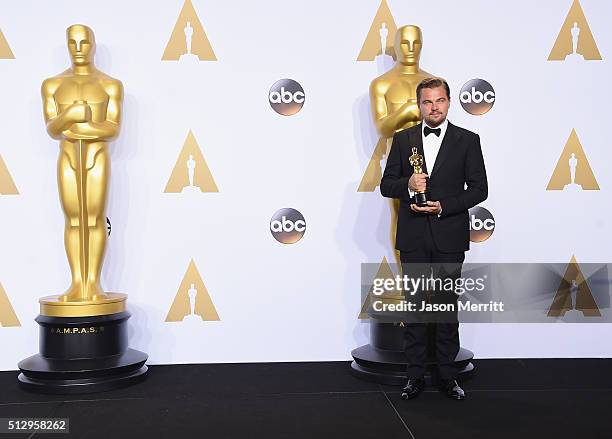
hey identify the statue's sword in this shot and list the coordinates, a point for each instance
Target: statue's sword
(83, 217)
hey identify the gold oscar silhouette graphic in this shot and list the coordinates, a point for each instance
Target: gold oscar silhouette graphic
(7, 313)
(5, 50)
(192, 300)
(575, 41)
(574, 284)
(188, 41)
(377, 41)
(191, 173)
(573, 171)
(384, 272)
(7, 185)
(82, 109)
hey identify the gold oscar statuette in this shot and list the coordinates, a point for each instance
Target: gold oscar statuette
(82, 109)
(416, 160)
(393, 98)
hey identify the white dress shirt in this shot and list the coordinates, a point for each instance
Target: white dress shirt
(431, 144)
(431, 147)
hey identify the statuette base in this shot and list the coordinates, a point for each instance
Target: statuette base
(57, 306)
(421, 199)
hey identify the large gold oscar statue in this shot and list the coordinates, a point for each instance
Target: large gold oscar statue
(83, 332)
(82, 109)
(393, 96)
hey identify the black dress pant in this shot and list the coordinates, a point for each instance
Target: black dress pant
(425, 260)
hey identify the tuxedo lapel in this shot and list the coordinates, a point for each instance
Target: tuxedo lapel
(415, 137)
(450, 138)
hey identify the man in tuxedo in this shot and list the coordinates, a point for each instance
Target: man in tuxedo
(455, 179)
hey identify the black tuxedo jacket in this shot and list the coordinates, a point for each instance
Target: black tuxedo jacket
(459, 163)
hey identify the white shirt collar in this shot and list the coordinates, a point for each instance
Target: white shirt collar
(442, 126)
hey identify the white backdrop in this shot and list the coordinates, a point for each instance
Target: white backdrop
(296, 302)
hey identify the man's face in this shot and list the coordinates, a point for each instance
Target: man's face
(434, 105)
(408, 45)
(80, 45)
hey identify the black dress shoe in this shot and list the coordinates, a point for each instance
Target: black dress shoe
(453, 390)
(413, 387)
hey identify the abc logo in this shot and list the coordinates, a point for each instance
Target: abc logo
(477, 96)
(286, 97)
(287, 226)
(482, 224)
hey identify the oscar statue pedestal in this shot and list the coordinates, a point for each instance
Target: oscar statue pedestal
(82, 355)
(384, 361)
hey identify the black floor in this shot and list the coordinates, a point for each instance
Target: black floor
(505, 399)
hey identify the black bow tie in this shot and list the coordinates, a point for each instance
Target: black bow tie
(428, 131)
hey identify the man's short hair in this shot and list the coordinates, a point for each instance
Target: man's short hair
(432, 83)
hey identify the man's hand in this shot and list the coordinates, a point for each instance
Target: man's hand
(78, 113)
(433, 207)
(418, 182)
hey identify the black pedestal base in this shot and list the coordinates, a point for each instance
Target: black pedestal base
(384, 360)
(420, 199)
(46, 375)
(82, 355)
(389, 367)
